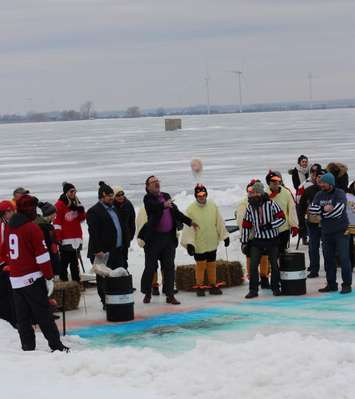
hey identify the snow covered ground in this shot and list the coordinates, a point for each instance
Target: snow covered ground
(271, 348)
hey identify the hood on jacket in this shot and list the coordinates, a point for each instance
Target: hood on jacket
(338, 169)
(18, 220)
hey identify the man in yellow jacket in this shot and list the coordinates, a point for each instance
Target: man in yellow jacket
(283, 197)
(264, 260)
(202, 243)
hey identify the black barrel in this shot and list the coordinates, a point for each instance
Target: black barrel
(293, 273)
(119, 298)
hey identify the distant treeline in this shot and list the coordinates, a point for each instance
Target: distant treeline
(87, 111)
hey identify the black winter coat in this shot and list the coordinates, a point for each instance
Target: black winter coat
(154, 210)
(126, 211)
(305, 201)
(102, 231)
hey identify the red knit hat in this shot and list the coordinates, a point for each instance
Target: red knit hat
(6, 206)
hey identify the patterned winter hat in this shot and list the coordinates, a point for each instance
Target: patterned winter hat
(200, 190)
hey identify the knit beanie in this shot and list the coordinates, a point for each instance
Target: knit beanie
(67, 187)
(6, 206)
(104, 189)
(257, 188)
(117, 190)
(328, 178)
(200, 188)
(27, 205)
(47, 208)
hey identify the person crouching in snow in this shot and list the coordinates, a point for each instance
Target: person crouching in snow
(30, 268)
(264, 261)
(260, 235)
(202, 243)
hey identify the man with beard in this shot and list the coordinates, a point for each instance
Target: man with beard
(260, 235)
(330, 203)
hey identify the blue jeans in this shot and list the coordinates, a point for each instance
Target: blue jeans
(337, 244)
(315, 234)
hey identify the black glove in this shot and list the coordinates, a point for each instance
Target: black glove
(246, 249)
(227, 242)
(190, 250)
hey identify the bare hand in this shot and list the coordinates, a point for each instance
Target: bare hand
(195, 226)
(328, 208)
(168, 204)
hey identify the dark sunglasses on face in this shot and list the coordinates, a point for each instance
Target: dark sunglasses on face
(121, 194)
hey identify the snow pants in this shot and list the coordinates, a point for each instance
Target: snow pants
(32, 306)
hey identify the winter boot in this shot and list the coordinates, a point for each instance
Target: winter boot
(155, 291)
(328, 288)
(200, 291)
(61, 348)
(251, 294)
(172, 300)
(346, 289)
(215, 291)
(147, 298)
(264, 283)
(276, 292)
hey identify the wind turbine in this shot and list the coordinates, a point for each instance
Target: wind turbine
(238, 75)
(207, 83)
(310, 89)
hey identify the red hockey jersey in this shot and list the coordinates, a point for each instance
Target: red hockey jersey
(67, 224)
(26, 251)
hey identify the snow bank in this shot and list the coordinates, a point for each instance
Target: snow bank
(277, 366)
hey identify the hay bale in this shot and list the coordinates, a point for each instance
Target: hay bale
(231, 273)
(71, 297)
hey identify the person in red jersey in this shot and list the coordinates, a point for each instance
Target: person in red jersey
(67, 225)
(30, 267)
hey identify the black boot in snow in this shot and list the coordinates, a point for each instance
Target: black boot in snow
(346, 289)
(264, 283)
(61, 348)
(327, 288)
(200, 291)
(215, 291)
(251, 294)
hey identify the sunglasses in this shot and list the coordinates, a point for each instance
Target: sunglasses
(72, 191)
(121, 194)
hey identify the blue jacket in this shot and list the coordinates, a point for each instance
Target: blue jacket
(336, 220)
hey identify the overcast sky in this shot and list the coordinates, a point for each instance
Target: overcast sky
(56, 54)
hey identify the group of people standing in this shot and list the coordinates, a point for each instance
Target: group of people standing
(36, 247)
(322, 214)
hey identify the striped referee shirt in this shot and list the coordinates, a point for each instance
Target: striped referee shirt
(262, 222)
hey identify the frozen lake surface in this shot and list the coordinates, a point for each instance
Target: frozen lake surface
(234, 148)
(269, 348)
